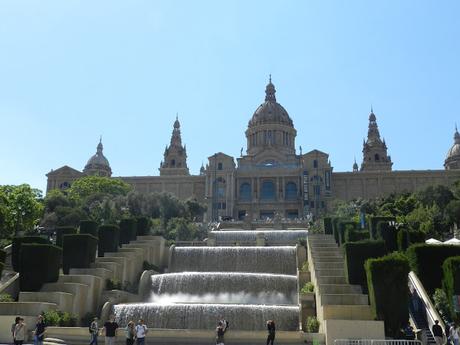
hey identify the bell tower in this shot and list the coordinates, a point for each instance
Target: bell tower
(175, 155)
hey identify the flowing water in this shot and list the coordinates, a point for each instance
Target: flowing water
(245, 285)
(281, 260)
(272, 237)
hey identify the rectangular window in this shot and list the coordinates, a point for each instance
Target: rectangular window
(315, 163)
(312, 204)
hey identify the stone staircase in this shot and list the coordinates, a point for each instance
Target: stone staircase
(342, 308)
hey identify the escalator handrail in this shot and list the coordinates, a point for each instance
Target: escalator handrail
(431, 312)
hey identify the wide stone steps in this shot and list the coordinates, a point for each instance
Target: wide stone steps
(331, 280)
(329, 272)
(344, 299)
(347, 312)
(339, 289)
(335, 265)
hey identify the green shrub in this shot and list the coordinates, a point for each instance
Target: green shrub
(63, 230)
(2, 256)
(79, 251)
(308, 287)
(305, 267)
(343, 226)
(89, 227)
(335, 228)
(356, 254)
(451, 278)
(406, 238)
(312, 325)
(426, 261)
(59, 318)
(108, 239)
(389, 234)
(142, 226)
(127, 230)
(441, 304)
(16, 247)
(388, 291)
(146, 266)
(327, 222)
(375, 220)
(352, 235)
(6, 297)
(2, 267)
(38, 264)
(113, 284)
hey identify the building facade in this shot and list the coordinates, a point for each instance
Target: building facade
(272, 178)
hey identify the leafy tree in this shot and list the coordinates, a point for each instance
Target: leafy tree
(453, 212)
(90, 185)
(195, 210)
(21, 208)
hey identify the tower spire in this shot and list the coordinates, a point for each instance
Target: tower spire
(175, 155)
(270, 91)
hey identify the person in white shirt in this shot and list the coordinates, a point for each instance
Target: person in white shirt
(141, 330)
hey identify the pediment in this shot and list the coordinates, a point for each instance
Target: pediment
(65, 171)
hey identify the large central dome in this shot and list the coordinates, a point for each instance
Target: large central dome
(270, 112)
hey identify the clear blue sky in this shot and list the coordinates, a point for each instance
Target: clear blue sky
(73, 70)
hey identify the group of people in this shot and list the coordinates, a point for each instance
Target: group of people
(223, 325)
(133, 333)
(19, 331)
(452, 334)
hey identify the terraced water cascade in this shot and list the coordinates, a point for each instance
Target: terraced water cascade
(271, 237)
(245, 285)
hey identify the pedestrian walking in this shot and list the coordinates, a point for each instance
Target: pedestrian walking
(437, 333)
(39, 332)
(454, 334)
(271, 332)
(19, 332)
(13, 326)
(141, 330)
(110, 331)
(93, 331)
(220, 332)
(130, 333)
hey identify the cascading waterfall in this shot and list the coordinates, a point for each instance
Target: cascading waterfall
(245, 285)
(281, 260)
(205, 316)
(231, 287)
(272, 237)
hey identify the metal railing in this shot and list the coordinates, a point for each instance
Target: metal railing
(376, 342)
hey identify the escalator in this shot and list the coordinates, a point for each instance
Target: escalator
(421, 310)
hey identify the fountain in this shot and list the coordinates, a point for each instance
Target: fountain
(245, 285)
(281, 260)
(272, 237)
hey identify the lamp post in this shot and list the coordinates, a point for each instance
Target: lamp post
(214, 191)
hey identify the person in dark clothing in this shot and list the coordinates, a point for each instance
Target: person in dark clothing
(271, 332)
(40, 328)
(110, 329)
(437, 333)
(220, 331)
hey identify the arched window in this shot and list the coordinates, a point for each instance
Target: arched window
(173, 163)
(377, 157)
(219, 166)
(291, 191)
(268, 191)
(245, 192)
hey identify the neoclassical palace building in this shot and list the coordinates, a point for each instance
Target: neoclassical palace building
(272, 177)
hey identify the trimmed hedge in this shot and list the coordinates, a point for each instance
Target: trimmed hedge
(142, 226)
(89, 227)
(16, 247)
(389, 234)
(373, 224)
(79, 251)
(388, 290)
(343, 226)
(405, 238)
(426, 261)
(64, 230)
(127, 230)
(327, 222)
(356, 254)
(109, 238)
(451, 279)
(352, 235)
(2, 266)
(2, 256)
(38, 264)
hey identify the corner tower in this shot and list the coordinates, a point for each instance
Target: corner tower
(375, 155)
(175, 155)
(453, 155)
